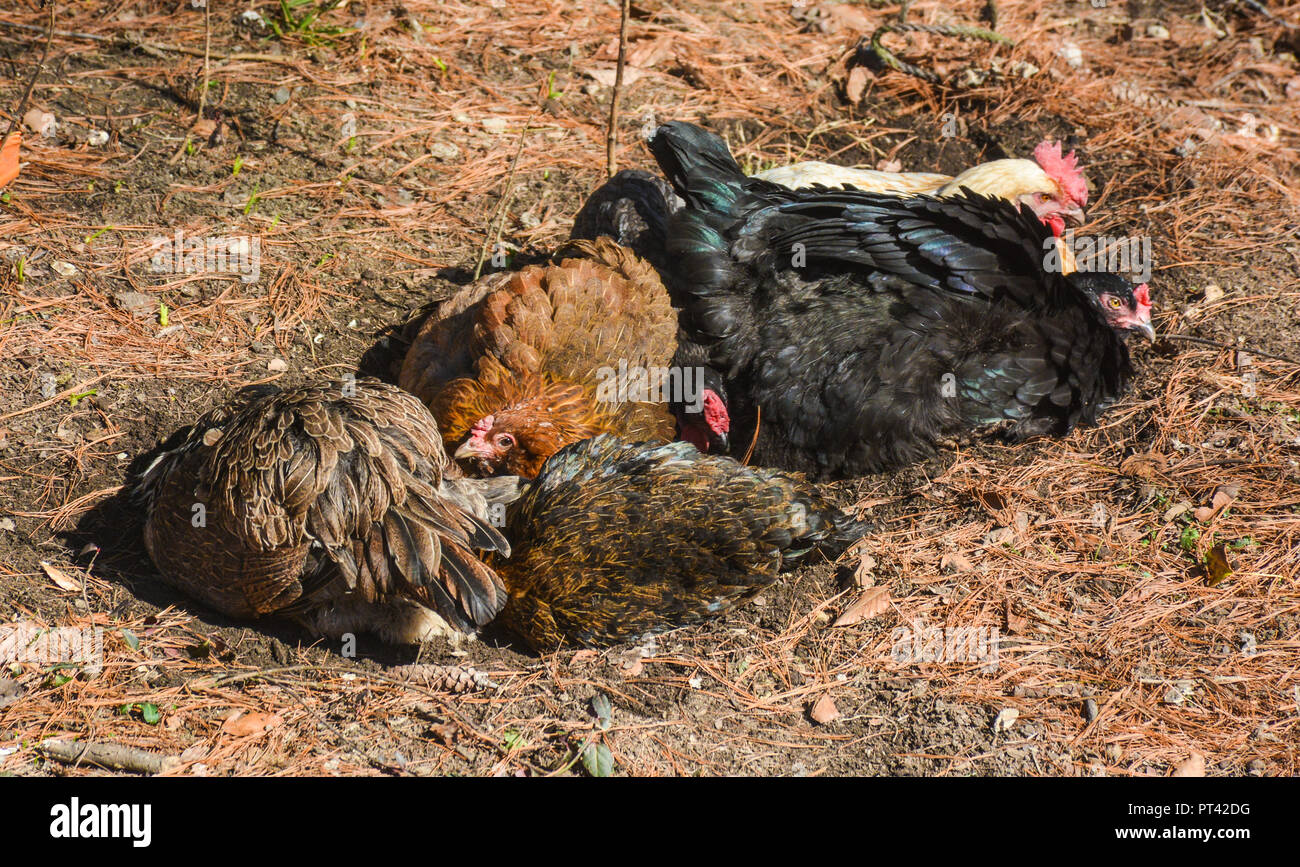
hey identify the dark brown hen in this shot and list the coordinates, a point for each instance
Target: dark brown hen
(615, 540)
(328, 503)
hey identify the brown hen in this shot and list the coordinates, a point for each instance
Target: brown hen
(616, 540)
(332, 504)
(516, 367)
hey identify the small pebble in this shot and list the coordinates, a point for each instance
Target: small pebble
(1005, 719)
(1089, 710)
(1072, 54)
(443, 150)
(281, 95)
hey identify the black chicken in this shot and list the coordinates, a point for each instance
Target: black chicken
(856, 330)
(633, 208)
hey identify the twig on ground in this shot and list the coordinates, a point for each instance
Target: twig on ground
(31, 84)
(203, 91)
(115, 756)
(1228, 346)
(611, 134)
(499, 219)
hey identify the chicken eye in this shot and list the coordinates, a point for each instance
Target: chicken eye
(1116, 303)
(506, 441)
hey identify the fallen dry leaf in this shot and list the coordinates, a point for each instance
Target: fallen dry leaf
(251, 723)
(872, 602)
(584, 657)
(1192, 766)
(9, 159)
(1014, 622)
(824, 710)
(1224, 495)
(993, 501)
(606, 76)
(1146, 465)
(647, 54)
(841, 15)
(1217, 564)
(856, 84)
(862, 573)
(955, 562)
(1005, 719)
(63, 579)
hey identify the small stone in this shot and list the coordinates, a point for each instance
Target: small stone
(41, 122)
(494, 125)
(97, 138)
(1089, 710)
(1005, 719)
(137, 304)
(1158, 31)
(443, 150)
(7, 524)
(824, 711)
(1022, 69)
(999, 536)
(1255, 767)
(1114, 752)
(1072, 54)
(281, 95)
(1213, 292)
(277, 365)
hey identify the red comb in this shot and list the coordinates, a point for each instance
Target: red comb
(715, 413)
(1062, 169)
(481, 427)
(1142, 295)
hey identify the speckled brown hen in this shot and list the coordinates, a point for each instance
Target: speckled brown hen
(616, 540)
(515, 368)
(332, 504)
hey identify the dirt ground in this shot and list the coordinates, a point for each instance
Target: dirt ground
(368, 149)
